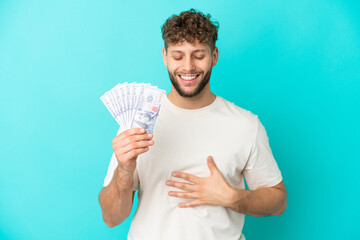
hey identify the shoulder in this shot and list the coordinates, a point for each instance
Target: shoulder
(237, 112)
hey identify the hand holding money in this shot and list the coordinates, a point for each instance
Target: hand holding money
(135, 107)
(128, 145)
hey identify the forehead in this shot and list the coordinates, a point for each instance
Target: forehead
(188, 47)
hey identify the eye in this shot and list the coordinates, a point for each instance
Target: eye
(177, 59)
(199, 57)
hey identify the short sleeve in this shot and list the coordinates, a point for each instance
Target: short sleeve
(261, 169)
(111, 169)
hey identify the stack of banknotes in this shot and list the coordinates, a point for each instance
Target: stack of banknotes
(134, 104)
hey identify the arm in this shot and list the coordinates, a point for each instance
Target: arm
(261, 202)
(215, 190)
(260, 168)
(116, 199)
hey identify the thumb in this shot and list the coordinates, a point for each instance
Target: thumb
(211, 165)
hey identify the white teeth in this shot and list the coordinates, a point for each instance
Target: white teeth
(190, 77)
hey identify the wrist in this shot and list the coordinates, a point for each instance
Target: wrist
(124, 179)
(124, 170)
(234, 198)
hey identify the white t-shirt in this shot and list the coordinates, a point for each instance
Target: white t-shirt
(183, 139)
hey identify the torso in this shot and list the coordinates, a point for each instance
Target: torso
(183, 140)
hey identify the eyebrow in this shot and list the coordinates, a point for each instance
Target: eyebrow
(178, 51)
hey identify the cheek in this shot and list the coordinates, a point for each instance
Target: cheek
(207, 66)
(174, 65)
(172, 68)
(208, 63)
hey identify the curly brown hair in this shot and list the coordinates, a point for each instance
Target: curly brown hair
(189, 26)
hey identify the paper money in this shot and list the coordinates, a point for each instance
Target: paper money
(134, 104)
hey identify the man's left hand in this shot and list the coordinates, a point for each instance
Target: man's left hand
(212, 190)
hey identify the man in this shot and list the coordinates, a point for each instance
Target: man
(190, 172)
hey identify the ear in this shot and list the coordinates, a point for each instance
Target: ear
(164, 56)
(215, 56)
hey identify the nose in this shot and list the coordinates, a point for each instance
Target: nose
(189, 65)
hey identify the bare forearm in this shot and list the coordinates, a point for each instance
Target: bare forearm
(261, 202)
(116, 199)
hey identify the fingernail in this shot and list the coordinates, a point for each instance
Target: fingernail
(149, 135)
(174, 174)
(210, 159)
(151, 142)
(171, 193)
(181, 205)
(142, 130)
(167, 182)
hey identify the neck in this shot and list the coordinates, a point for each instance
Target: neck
(204, 98)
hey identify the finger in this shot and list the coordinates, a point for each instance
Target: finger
(184, 186)
(182, 194)
(135, 152)
(211, 165)
(125, 146)
(134, 138)
(192, 203)
(186, 176)
(129, 132)
(135, 145)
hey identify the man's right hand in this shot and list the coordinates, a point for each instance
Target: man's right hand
(128, 145)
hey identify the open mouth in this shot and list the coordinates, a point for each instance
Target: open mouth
(189, 78)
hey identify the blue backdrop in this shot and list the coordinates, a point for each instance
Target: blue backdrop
(296, 64)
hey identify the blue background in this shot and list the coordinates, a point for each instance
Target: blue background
(296, 64)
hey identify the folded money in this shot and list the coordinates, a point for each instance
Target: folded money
(134, 104)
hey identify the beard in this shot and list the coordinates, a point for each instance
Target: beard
(197, 90)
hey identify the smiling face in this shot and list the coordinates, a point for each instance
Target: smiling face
(189, 66)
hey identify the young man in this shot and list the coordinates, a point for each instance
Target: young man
(190, 172)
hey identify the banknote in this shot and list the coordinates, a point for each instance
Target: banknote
(134, 104)
(148, 106)
(106, 100)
